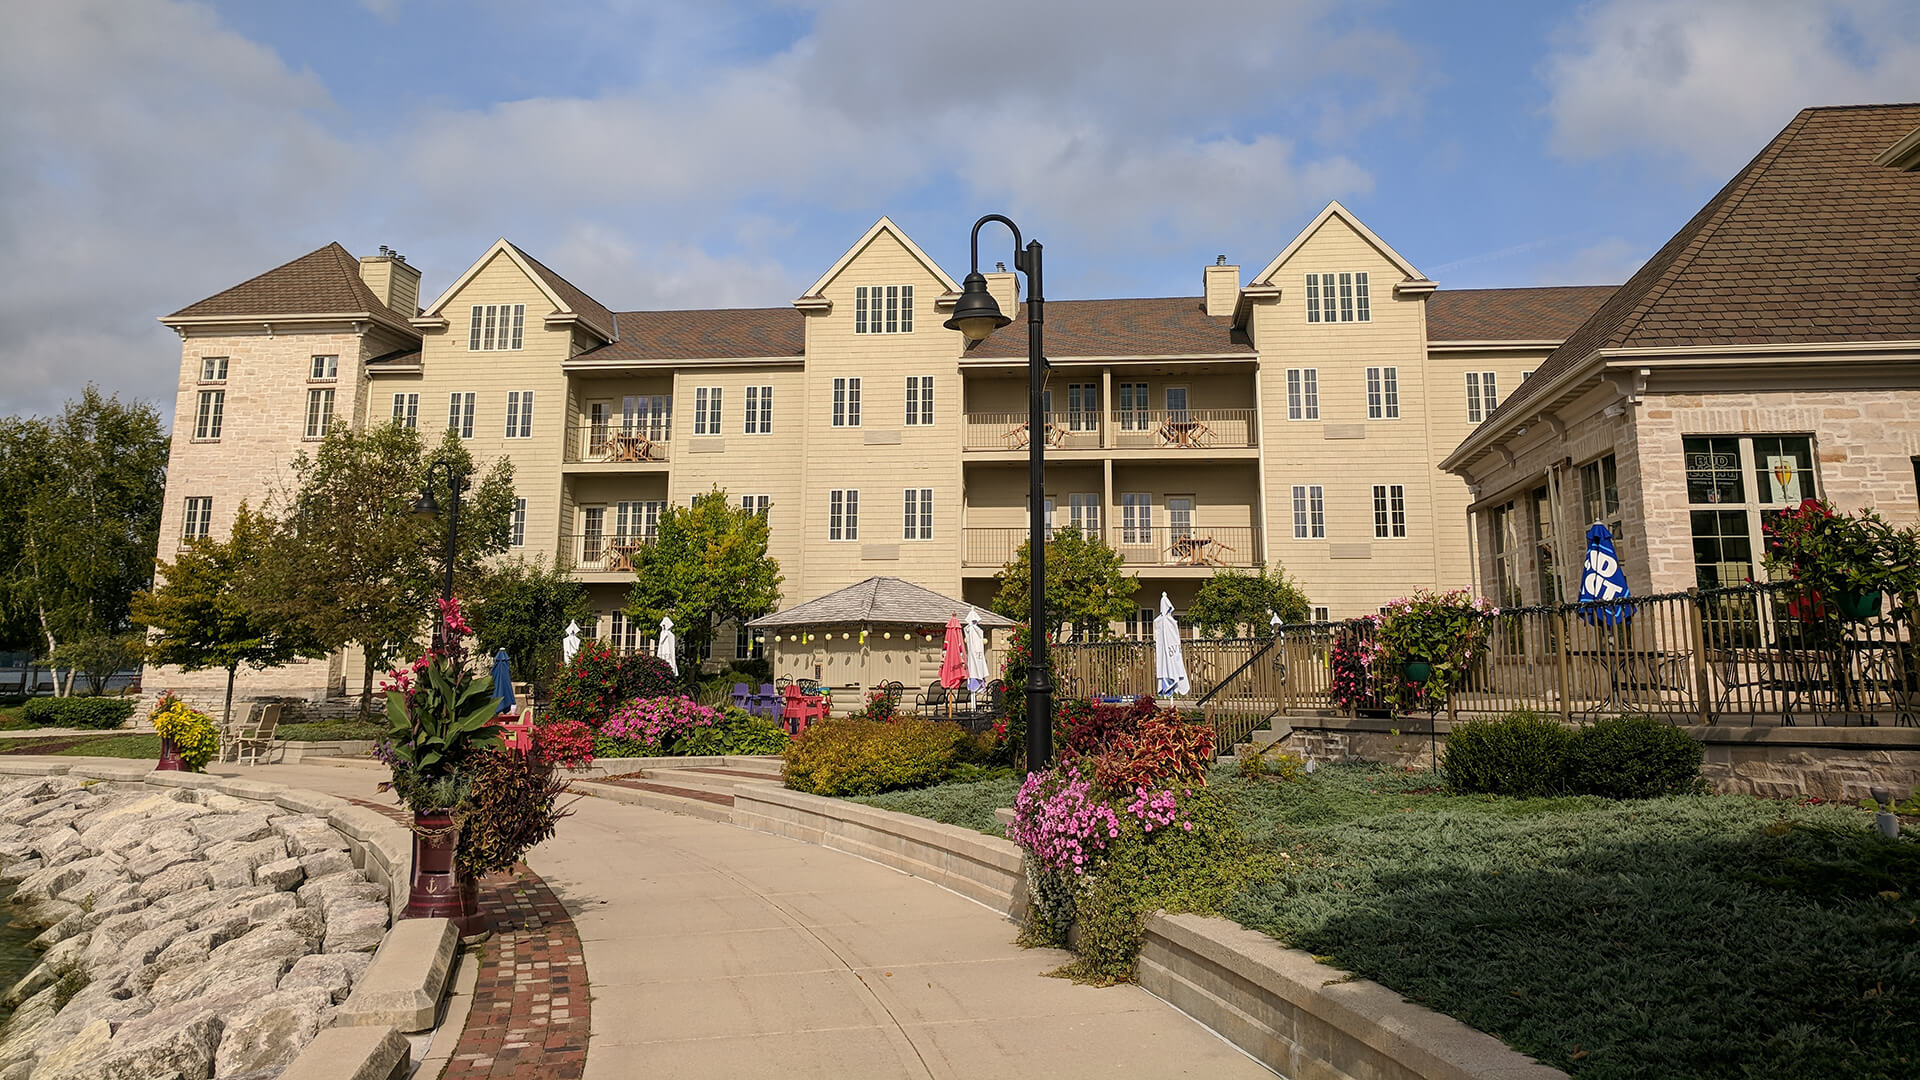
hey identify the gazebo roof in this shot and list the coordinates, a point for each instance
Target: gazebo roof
(879, 600)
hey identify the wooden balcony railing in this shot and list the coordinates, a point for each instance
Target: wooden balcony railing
(1232, 545)
(595, 553)
(1133, 429)
(615, 442)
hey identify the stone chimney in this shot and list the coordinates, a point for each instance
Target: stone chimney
(393, 280)
(1004, 285)
(1221, 287)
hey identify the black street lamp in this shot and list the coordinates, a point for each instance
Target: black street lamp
(427, 508)
(976, 315)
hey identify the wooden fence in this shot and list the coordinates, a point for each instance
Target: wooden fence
(1758, 654)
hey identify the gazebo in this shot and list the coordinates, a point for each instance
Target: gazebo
(880, 630)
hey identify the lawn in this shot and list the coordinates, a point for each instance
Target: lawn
(1709, 936)
(329, 730)
(123, 745)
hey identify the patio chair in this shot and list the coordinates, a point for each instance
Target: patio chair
(230, 732)
(932, 702)
(801, 709)
(766, 703)
(742, 697)
(253, 740)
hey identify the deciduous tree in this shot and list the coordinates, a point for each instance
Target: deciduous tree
(708, 566)
(1233, 602)
(523, 607)
(1086, 585)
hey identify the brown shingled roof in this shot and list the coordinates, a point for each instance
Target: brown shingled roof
(322, 282)
(1811, 242)
(1535, 314)
(1157, 326)
(705, 334)
(591, 311)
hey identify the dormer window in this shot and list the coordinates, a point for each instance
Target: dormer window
(496, 327)
(1338, 297)
(883, 309)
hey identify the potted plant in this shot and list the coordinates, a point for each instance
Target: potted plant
(440, 717)
(1434, 639)
(1353, 658)
(1841, 564)
(188, 737)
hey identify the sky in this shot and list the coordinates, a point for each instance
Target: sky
(725, 153)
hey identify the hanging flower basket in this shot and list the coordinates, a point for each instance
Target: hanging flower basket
(1417, 671)
(1858, 606)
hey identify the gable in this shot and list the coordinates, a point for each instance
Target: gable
(883, 247)
(1335, 233)
(564, 298)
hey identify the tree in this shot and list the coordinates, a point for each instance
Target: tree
(99, 657)
(1086, 586)
(707, 566)
(80, 498)
(352, 564)
(202, 615)
(524, 608)
(1232, 602)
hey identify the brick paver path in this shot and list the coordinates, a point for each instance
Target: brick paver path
(529, 1019)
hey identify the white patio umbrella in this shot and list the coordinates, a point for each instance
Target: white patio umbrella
(571, 643)
(665, 650)
(1169, 666)
(976, 652)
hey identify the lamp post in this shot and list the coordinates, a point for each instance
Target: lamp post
(427, 508)
(976, 315)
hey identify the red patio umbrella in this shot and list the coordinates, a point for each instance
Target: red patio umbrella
(953, 661)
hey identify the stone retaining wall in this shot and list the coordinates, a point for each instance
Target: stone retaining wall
(1841, 763)
(198, 926)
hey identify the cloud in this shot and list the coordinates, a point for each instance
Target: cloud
(1608, 262)
(1710, 81)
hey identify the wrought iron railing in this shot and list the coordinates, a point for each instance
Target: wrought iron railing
(600, 553)
(615, 442)
(1134, 429)
(1197, 545)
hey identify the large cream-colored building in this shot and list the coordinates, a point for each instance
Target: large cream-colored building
(1295, 418)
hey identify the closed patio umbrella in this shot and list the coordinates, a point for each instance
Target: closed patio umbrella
(503, 681)
(571, 643)
(976, 652)
(1602, 581)
(1169, 665)
(665, 650)
(953, 657)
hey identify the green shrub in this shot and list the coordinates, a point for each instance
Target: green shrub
(77, 712)
(738, 732)
(1520, 754)
(1631, 757)
(866, 757)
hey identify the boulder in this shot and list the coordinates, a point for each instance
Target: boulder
(43, 884)
(231, 828)
(143, 1049)
(266, 907)
(73, 1059)
(320, 892)
(42, 976)
(355, 926)
(175, 839)
(253, 853)
(149, 861)
(50, 846)
(306, 922)
(19, 868)
(174, 879)
(228, 874)
(195, 946)
(100, 887)
(333, 972)
(270, 1032)
(321, 864)
(264, 952)
(283, 874)
(309, 835)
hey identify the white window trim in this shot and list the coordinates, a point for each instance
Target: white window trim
(843, 515)
(846, 401)
(325, 367)
(706, 410)
(321, 421)
(883, 309)
(916, 519)
(207, 369)
(496, 327)
(1309, 511)
(1303, 394)
(1389, 511)
(517, 535)
(920, 401)
(198, 521)
(460, 410)
(519, 414)
(758, 411)
(209, 415)
(1383, 393)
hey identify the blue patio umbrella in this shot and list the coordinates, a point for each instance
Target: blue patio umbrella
(1602, 582)
(503, 681)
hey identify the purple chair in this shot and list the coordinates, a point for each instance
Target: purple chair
(742, 699)
(767, 702)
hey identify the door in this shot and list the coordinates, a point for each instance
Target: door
(599, 414)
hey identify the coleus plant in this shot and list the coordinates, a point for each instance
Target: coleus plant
(439, 714)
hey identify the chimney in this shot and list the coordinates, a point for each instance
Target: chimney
(1004, 286)
(393, 280)
(1221, 287)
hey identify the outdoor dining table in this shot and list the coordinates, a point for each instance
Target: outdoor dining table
(1196, 551)
(1017, 436)
(620, 552)
(629, 446)
(1184, 433)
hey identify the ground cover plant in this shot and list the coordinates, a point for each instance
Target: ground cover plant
(121, 746)
(330, 730)
(854, 756)
(969, 804)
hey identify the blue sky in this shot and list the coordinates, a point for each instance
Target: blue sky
(725, 153)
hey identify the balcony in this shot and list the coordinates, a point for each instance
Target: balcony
(637, 445)
(1172, 430)
(1195, 547)
(596, 557)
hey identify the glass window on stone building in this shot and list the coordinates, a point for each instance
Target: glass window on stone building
(1735, 486)
(1543, 539)
(1504, 538)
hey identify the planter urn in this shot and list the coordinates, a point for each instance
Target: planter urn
(1417, 671)
(436, 891)
(169, 757)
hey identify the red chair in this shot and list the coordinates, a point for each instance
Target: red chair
(801, 708)
(516, 730)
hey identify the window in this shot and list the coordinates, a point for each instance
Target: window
(918, 517)
(1389, 511)
(919, 400)
(1338, 298)
(496, 326)
(520, 414)
(1047, 507)
(1735, 486)
(1543, 534)
(1309, 512)
(1321, 614)
(319, 413)
(1303, 393)
(1180, 516)
(846, 402)
(1136, 518)
(706, 410)
(213, 369)
(1133, 406)
(1600, 493)
(325, 369)
(749, 644)
(199, 518)
(1383, 393)
(624, 635)
(1505, 547)
(518, 535)
(648, 416)
(1482, 395)
(206, 422)
(759, 411)
(883, 309)
(843, 514)
(1140, 623)
(756, 504)
(593, 521)
(638, 520)
(406, 410)
(1083, 407)
(460, 414)
(1083, 512)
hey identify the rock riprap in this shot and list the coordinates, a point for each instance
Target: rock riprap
(187, 933)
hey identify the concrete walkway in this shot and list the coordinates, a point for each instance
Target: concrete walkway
(716, 951)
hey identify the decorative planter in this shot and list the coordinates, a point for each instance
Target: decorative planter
(1858, 606)
(169, 757)
(436, 891)
(1417, 671)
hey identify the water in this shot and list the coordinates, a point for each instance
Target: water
(16, 957)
